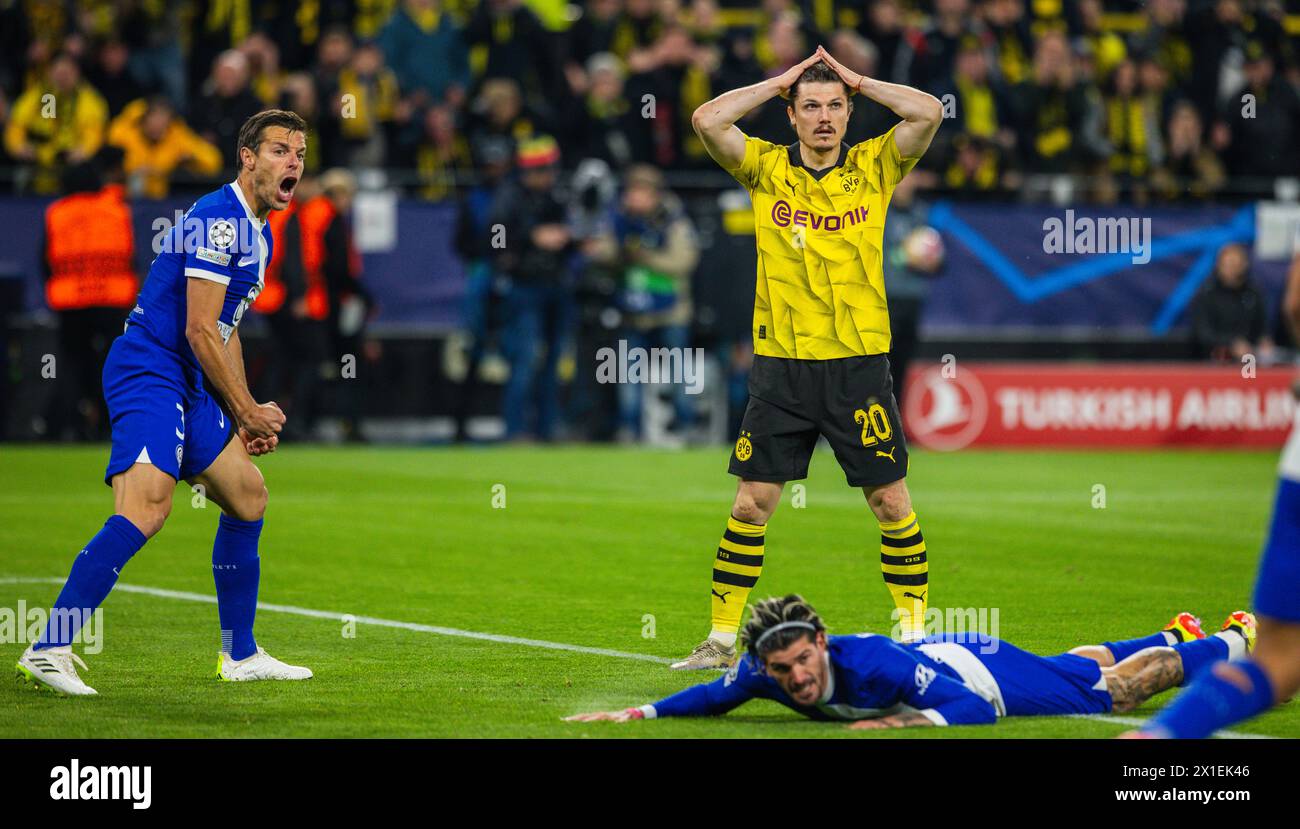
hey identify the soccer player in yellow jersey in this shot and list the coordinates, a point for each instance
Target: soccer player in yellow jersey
(821, 325)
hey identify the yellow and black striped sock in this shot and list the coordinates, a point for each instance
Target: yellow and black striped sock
(906, 571)
(735, 572)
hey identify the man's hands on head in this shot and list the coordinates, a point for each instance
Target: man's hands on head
(789, 77)
(608, 716)
(851, 79)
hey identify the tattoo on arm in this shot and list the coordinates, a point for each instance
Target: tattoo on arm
(1142, 676)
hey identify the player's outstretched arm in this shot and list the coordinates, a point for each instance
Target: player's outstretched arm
(905, 720)
(921, 112)
(715, 121)
(204, 299)
(608, 716)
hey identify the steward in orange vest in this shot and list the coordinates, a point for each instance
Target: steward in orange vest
(89, 263)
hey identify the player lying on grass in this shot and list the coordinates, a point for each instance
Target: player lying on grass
(880, 683)
(184, 330)
(1229, 693)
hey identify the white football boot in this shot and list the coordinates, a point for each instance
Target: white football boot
(53, 669)
(260, 665)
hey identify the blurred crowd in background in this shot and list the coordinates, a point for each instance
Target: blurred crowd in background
(1144, 98)
(570, 125)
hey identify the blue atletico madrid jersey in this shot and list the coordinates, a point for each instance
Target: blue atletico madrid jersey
(218, 239)
(153, 383)
(949, 679)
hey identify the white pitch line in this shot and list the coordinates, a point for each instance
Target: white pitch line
(368, 620)
(489, 637)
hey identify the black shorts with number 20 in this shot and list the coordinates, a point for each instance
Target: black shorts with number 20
(849, 400)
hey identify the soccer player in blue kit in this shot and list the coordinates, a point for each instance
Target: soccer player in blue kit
(876, 682)
(1232, 692)
(166, 428)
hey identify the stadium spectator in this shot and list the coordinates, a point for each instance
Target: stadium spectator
(1013, 43)
(600, 121)
(90, 283)
(369, 107)
(882, 26)
(653, 248)
(592, 33)
(1229, 315)
(111, 76)
(981, 108)
(930, 63)
(55, 123)
(440, 153)
(1057, 107)
(1132, 130)
(298, 94)
(484, 289)
(536, 258)
(1190, 169)
(1259, 124)
(226, 102)
(157, 144)
(516, 45)
(152, 35)
(426, 49)
(264, 73)
(499, 112)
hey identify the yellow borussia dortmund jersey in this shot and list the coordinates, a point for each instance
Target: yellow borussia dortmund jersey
(820, 293)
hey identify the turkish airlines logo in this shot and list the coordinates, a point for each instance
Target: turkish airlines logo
(946, 413)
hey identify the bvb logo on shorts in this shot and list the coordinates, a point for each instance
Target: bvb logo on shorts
(744, 449)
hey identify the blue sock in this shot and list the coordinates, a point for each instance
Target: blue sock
(1213, 703)
(236, 569)
(1199, 655)
(94, 572)
(1126, 648)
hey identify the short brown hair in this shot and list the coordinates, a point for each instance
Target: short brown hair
(768, 614)
(250, 135)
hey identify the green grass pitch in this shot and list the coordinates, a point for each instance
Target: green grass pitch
(592, 542)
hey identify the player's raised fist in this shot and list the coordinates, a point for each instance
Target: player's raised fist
(263, 421)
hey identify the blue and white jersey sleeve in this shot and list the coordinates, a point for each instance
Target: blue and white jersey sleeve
(212, 244)
(895, 671)
(736, 687)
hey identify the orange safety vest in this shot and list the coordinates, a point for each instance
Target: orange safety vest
(89, 246)
(314, 218)
(274, 291)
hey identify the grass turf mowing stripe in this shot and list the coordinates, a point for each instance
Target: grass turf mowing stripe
(489, 637)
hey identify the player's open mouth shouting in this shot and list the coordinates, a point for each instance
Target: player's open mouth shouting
(284, 191)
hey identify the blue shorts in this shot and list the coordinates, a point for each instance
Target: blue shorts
(1277, 588)
(1047, 685)
(159, 415)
